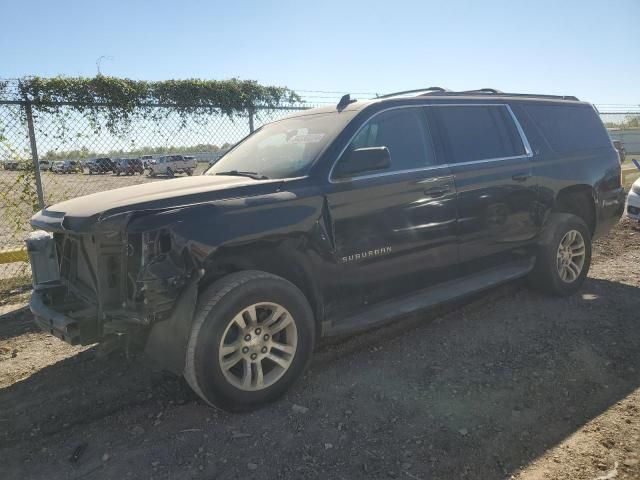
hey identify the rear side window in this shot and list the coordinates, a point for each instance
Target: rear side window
(569, 128)
(478, 132)
(403, 132)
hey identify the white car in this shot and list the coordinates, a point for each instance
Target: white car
(633, 201)
(172, 164)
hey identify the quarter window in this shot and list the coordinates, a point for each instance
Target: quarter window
(478, 132)
(570, 128)
(403, 132)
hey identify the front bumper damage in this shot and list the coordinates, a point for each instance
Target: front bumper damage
(88, 287)
(49, 320)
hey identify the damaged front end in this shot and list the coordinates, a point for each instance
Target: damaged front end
(94, 285)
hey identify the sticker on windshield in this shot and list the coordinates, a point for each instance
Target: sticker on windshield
(306, 138)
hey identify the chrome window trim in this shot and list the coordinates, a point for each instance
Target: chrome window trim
(489, 160)
(523, 137)
(525, 142)
(386, 174)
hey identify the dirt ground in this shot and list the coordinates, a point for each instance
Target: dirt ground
(511, 384)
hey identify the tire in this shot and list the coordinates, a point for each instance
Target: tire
(554, 261)
(170, 173)
(189, 172)
(214, 321)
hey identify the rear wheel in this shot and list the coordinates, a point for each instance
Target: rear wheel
(170, 172)
(252, 337)
(189, 172)
(564, 256)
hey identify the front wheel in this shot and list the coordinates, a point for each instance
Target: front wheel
(252, 337)
(564, 256)
(170, 173)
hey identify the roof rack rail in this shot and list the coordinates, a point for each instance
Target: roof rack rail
(536, 95)
(483, 90)
(480, 91)
(417, 90)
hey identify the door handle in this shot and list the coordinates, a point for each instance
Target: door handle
(438, 191)
(521, 177)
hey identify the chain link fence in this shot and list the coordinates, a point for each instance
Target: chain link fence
(45, 157)
(33, 141)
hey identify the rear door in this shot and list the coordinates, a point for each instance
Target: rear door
(395, 230)
(490, 160)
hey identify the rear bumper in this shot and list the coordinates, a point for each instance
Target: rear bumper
(53, 322)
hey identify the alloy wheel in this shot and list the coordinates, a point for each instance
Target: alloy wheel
(571, 256)
(258, 346)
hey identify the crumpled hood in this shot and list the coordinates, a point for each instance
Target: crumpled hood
(79, 213)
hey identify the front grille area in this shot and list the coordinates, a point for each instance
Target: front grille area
(95, 268)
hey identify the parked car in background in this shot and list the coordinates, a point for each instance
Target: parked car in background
(45, 165)
(100, 165)
(147, 160)
(633, 201)
(15, 165)
(172, 164)
(128, 166)
(331, 221)
(66, 166)
(619, 146)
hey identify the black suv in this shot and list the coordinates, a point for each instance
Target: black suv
(100, 165)
(128, 166)
(333, 220)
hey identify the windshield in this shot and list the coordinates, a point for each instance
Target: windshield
(283, 149)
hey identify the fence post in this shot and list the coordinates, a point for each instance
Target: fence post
(251, 111)
(34, 152)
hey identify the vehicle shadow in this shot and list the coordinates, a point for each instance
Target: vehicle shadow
(16, 323)
(474, 390)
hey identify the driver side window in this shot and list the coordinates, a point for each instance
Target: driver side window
(404, 132)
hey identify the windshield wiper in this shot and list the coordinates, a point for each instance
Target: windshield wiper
(236, 173)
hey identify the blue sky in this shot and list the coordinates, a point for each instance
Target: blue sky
(586, 48)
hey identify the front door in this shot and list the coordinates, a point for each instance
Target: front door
(496, 193)
(395, 230)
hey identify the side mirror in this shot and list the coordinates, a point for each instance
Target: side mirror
(363, 160)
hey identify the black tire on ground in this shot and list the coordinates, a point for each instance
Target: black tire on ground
(545, 275)
(189, 172)
(170, 173)
(216, 308)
